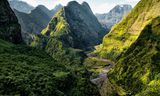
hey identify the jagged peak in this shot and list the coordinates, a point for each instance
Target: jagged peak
(85, 4)
(72, 3)
(42, 7)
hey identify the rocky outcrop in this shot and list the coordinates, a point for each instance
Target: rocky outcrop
(21, 6)
(114, 16)
(10, 30)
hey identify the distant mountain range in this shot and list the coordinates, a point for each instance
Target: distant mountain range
(114, 16)
(21, 6)
(35, 21)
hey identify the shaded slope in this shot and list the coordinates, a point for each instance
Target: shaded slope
(137, 71)
(9, 27)
(34, 22)
(127, 31)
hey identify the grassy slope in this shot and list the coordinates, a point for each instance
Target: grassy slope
(127, 31)
(29, 71)
(137, 71)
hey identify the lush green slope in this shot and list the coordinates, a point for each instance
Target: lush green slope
(29, 71)
(128, 30)
(137, 71)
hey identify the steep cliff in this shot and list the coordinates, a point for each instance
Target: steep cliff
(10, 30)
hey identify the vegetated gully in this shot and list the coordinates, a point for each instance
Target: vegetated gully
(102, 76)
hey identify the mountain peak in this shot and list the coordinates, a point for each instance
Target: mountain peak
(122, 7)
(41, 6)
(114, 15)
(77, 28)
(85, 4)
(73, 3)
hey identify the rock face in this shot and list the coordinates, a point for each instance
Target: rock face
(76, 26)
(10, 30)
(21, 6)
(114, 16)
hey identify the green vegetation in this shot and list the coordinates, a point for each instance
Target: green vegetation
(137, 71)
(95, 65)
(30, 71)
(124, 34)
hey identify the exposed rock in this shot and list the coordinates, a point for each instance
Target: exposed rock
(10, 30)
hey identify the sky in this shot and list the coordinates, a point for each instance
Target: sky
(97, 6)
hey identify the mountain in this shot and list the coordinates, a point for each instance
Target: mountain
(35, 21)
(114, 15)
(133, 44)
(75, 26)
(27, 71)
(21, 6)
(32, 23)
(10, 30)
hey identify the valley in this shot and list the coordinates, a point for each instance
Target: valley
(72, 51)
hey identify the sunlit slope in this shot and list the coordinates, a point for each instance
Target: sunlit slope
(128, 30)
(138, 69)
